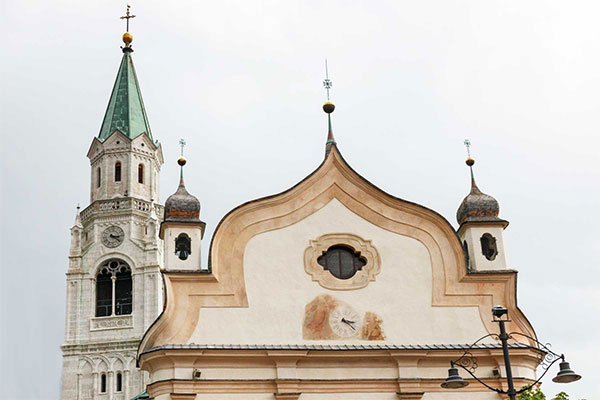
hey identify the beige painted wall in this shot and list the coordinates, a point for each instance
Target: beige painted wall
(279, 288)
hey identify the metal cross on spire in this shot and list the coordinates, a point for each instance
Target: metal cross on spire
(327, 82)
(469, 160)
(127, 16)
(182, 144)
(467, 143)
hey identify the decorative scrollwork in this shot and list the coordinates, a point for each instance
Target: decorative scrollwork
(467, 361)
(549, 357)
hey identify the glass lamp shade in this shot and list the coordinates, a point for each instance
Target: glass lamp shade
(566, 374)
(454, 381)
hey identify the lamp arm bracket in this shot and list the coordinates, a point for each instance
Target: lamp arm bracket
(482, 382)
(539, 379)
(467, 361)
(542, 346)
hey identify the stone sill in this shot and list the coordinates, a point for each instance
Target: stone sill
(111, 322)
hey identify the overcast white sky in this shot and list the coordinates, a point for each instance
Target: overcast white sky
(242, 83)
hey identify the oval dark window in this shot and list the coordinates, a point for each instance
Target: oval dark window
(342, 261)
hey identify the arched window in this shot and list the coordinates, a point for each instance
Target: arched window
(98, 176)
(114, 289)
(118, 171)
(119, 383)
(103, 383)
(488, 246)
(342, 261)
(141, 173)
(183, 246)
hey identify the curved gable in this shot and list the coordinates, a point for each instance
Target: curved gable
(334, 181)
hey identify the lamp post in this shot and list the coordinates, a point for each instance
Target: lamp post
(469, 363)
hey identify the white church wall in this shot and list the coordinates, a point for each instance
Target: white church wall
(279, 289)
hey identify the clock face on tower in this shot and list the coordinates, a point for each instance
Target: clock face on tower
(345, 321)
(113, 236)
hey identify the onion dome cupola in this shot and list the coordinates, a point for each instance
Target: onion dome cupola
(477, 206)
(181, 229)
(181, 206)
(481, 230)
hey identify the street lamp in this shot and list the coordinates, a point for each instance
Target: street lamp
(469, 363)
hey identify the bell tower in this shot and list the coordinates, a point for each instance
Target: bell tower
(114, 288)
(181, 229)
(481, 231)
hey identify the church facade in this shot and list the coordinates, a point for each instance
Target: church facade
(332, 289)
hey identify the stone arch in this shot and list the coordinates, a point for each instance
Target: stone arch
(85, 360)
(130, 362)
(110, 256)
(117, 363)
(102, 364)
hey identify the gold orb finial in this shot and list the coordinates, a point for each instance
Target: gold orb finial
(328, 107)
(469, 161)
(181, 161)
(127, 38)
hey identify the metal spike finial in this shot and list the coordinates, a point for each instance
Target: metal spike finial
(128, 16)
(328, 107)
(469, 161)
(467, 143)
(327, 82)
(181, 161)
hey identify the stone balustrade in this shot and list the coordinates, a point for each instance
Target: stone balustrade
(120, 204)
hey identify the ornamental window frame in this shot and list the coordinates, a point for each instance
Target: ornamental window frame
(112, 268)
(362, 248)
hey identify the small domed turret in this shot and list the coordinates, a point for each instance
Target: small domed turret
(182, 206)
(480, 230)
(181, 229)
(477, 206)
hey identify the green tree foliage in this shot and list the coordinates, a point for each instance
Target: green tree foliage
(537, 394)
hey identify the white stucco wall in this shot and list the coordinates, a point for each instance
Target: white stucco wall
(279, 288)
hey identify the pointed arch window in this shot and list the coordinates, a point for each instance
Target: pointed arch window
(98, 176)
(103, 383)
(141, 173)
(118, 171)
(119, 383)
(114, 289)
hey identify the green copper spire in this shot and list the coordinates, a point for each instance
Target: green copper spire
(125, 111)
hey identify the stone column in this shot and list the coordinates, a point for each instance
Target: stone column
(95, 385)
(114, 280)
(126, 384)
(79, 386)
(110, 385)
